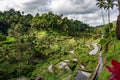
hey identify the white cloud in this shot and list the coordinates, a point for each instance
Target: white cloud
(72, 6)
(85, 10)
(17, 4)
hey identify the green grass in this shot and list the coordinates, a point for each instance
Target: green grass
(57, 47)
(41, 34)
(62, 45)
(8, 40)
(113, 53)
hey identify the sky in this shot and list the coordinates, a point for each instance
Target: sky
(83, 10)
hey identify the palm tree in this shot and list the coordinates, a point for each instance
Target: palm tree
(118, 22)
(108, 5)
(100, 4)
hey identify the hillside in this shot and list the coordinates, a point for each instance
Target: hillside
(110, 49)
(112, 53)
(53, 47)
(31, 45)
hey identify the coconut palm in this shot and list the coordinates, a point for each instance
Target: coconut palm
(100, 4)
(118, 19)
(118, 22)
(107, 6)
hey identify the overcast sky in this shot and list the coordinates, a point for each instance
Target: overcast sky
(83, 10)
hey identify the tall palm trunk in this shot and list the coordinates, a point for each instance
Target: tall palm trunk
(109, 19)
(103, 17)
(119, 6)
(118, 27)
(118, 22)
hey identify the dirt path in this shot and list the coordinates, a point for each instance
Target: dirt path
(95, 50)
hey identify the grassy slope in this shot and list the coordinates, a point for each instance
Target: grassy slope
(77, 44)
(67, 44)
(61, 44)
(113, 53)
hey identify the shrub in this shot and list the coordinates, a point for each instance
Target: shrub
(103, 41)
(2, 38)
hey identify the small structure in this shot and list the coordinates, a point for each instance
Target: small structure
(51, 68)
(82, 66)
(72, 52)
(82, 75)
(64, 64)
(75, 60)
(39, 77)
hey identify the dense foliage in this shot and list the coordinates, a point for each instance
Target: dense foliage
(107, 5)
(27, 41)
(16, 23)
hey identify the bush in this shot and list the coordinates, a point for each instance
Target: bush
(3, 75)
(2, 38)
(103, 41)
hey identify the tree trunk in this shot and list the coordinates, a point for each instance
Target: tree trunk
(118, 22)
(103, 17)
(109, 19)
(119, 6)
(118, 27)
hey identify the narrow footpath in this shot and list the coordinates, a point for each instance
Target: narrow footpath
(82, 75)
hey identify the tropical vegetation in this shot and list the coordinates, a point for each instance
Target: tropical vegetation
(30, 44)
